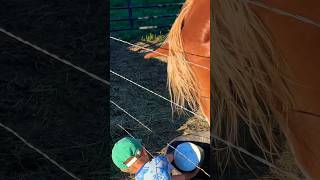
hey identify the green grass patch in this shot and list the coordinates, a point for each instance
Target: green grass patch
(151, 37)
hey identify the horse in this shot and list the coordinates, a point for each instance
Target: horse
(257, 75)
(271, 86)
(187, 52)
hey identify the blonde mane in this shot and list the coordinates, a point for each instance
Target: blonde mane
(182, 83)
(249, 78)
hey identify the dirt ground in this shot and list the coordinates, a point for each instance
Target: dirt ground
(150, 109)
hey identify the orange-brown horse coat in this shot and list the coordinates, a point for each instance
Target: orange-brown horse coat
(300, 45)
(196, 44)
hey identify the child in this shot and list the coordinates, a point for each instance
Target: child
(129, 156)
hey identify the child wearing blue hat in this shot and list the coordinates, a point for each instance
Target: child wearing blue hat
(130, 156)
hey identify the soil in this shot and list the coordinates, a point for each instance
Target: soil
(151, 110)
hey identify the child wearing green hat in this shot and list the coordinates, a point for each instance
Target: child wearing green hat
(130, 156)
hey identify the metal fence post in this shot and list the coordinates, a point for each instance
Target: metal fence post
(130, 14)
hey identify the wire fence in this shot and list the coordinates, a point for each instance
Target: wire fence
(300, 18)
(240, 149)
(108, 83)
(165, 55)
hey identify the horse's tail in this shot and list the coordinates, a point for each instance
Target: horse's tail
(249, 77)
(182, 84)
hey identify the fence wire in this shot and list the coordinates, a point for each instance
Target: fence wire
(39, 151)
(137, 120)
(300, 18)
(108, 83)
(284, 13)
(150, 50)
(54, 56)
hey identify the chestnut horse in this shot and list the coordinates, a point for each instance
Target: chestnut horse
(188, 56)
(265, 73)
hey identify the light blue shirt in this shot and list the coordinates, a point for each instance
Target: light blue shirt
(159, 168)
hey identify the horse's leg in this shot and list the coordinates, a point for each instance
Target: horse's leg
(302, 132)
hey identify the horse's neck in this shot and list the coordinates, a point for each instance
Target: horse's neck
(299, 44)
(306, 8)
(196, 28)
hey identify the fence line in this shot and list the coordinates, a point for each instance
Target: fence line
(106, 82)
(135, 138)
(39, 151)
(156, 94)
(82, 70)
(269, 164)
(54, 56)
(19, 39)
(212, 135)
(150, 50)
(137, 120)
(300, 18)
(284, 13)
(130, 115)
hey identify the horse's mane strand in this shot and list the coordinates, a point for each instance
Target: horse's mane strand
(248, 79)
(183, 86)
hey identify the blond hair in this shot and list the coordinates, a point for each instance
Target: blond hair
(183, 85)
(249, 78)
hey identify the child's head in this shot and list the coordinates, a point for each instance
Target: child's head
(129, 155)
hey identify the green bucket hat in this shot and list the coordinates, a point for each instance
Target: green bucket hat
(124, 149)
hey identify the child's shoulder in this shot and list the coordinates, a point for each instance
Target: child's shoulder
(162, 158)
